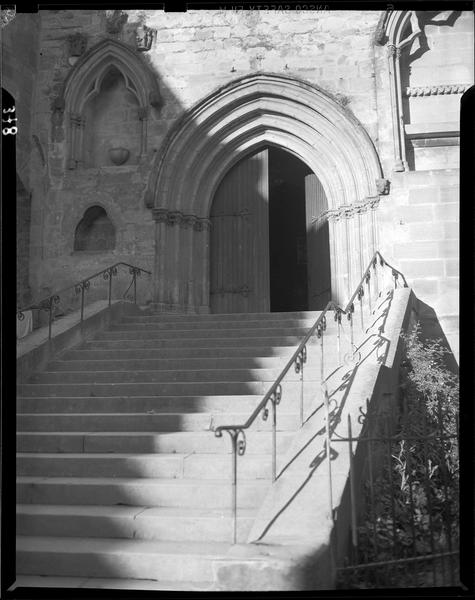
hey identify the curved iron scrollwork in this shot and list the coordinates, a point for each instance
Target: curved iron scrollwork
(362, 415)
(238, 438)
(109, 273)
(367, 277)
(360, 293)
(20, 316)
(338, 312)
(277, 395)
(135, 271)
(82, 285)
(350, 311)
(301, 359)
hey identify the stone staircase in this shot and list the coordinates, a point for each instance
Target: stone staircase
(121, 481)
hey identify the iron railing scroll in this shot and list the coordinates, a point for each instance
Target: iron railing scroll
(375, 271)
(81, 288)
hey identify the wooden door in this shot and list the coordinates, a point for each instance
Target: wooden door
(318, 244)
(239, 243)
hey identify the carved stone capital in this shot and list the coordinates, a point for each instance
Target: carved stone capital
(142, 113)
(144, 37)
(391, 50)
(436, 90)
(347, 211)
(7, 15)
(189, 221)
(382, 186)
(174, 218)
(76, 119)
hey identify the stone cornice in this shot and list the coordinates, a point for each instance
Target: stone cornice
(174, 217)
(347, 211)
(437, 90)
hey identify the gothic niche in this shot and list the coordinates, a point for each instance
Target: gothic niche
(112, 134)
(95, 231)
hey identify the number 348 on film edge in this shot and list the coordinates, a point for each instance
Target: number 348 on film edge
(9, 130)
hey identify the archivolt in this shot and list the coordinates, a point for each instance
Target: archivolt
(259, 110)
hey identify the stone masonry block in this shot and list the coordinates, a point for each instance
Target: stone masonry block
(449, 248)
(426, 231)
(422, 268)
(451, 231)
(447, 212)
(417, 249)
(452, 268)
(412, 214)
(425, 287)
(427, 195)
(449, 194)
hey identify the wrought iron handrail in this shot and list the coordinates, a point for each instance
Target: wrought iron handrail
(81, 286)
(298, 358)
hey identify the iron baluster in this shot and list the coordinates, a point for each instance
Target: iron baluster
(49, 306)
(395, 275)
(368, 283)
(354, 532)
(428, 495)
(376, 277)
(328, 449)
(275, 400)
(107, 275)
(238, 445)
(351, 310)
(360, 298)
(387, 445)
(337, 318)
(299, 363)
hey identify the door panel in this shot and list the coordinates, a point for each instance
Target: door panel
(239, 243)
(318, 245)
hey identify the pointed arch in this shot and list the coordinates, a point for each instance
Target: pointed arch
(84, 82)
(258, 110)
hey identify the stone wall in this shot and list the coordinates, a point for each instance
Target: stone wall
(19, 58)
(191, 56)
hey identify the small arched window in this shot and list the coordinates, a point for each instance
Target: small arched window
(95, 231)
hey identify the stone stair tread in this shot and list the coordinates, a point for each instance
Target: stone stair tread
(167, 512)
(115, 455)
(120, 546)
(133, 481)
(105, 583)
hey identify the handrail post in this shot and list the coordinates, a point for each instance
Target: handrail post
(234, 485)
(110, 286)
(354, 533)
(82, 301)
(135, 286)
(328, 449)
(50, 316)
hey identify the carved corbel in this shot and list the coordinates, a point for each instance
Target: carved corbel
(144, 37)
(382, 186)
(188, 221)
(115, 21)
(160, 215)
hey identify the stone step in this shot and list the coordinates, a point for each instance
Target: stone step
(164, 364)
(108, 557)
(61, 422)
(194, 466)
(156, 324)
(132, 522)
(185, 493)
(217, 317)
(138, 404)
(258, 442)
(198, 342)
(172, 376)
(42, 581)
(205, 334)
(120, 353)
(217, 388)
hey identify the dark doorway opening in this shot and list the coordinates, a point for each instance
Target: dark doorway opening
(287, 232)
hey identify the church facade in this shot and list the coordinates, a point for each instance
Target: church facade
(254, 161)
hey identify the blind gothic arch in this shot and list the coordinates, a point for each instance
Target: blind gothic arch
(84, 83)
(257, 110)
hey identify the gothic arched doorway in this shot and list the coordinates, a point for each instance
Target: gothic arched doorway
(269, 245)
